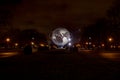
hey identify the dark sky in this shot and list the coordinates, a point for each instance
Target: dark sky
(47, 14)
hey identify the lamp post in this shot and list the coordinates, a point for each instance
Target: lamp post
(16, 45)
(8, 40)
(32, 43)
(110, 40)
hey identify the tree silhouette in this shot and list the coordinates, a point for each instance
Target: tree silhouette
(28, 35)
(113, 21)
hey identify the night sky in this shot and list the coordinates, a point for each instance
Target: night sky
(44, 15)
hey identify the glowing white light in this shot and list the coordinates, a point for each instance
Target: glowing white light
(69, 39)
(69, 44)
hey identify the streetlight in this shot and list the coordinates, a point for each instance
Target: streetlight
(86, 43)
(8, 40)
(16, 44)
(32, 43)
(69, 44)
(110, 39)
(102, 45)
(69, 39)
(42, 45)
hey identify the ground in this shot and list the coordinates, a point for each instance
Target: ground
(60, 65)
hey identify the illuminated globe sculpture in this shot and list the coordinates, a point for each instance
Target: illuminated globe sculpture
(61, 37)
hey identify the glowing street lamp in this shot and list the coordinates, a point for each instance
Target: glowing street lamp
(86, 43)
(7, 39)
(69, 44)
(102, 45)
(110, 39)
(16, 44)
(69, 39)
(32, 43)
(42, 45)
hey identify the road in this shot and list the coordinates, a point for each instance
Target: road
(110, 55)
(61, 65)
(115, 56)
(8, 54)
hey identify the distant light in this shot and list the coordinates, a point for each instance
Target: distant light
(93, 45)
(69, 44)
(89, 37)
(103, 45)
(77, 45)
(86, 43)
(111, 46)
(110, 39)
(7, 39)
(16, 44)
(32, 43)
(69, 39)
(42, 45)
(89, 43)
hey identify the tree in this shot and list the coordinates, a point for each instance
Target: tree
(113, 21)
(96, 31)
(28, 35)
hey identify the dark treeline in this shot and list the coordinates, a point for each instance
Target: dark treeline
(106, 27)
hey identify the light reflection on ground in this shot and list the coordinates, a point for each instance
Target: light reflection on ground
(109, 55)
(7, 54)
